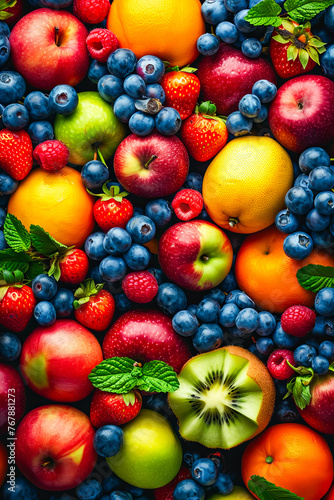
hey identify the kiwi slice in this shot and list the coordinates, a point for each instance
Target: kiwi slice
(225, 397)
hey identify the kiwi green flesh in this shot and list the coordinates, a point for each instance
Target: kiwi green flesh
(217, 403)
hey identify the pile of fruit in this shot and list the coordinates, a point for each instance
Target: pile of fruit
(166, 249)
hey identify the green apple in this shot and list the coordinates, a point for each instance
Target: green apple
(151, 454)
(92, 124)
(238, 493)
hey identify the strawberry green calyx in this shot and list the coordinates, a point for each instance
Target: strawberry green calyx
(109, 193)
(6, 4)
(186, 69)
(86, 290)
(8, 278)
(206, 108)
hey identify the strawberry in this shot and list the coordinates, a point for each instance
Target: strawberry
(16, 306)
(182, 90)
(112, 210)
(108, 408)
(204, 134)
(15, 153)
(73, 266)
(166, 492)
(294, 50)
(95, 307)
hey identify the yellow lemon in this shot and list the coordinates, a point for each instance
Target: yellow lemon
(238, 493)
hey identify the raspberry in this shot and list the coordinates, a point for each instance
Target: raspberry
(298, 320)
(277, 365)
(51, 155)
(101, 43)
(187, 204)
(140, 286)
(91, 11)
(74, 266)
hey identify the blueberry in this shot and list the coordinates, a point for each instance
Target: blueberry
(320, 365)
(120, 495)
(283, 340)
(299, 200)
(241, 23)
(324, 34)
(224, 484)
(323, 326)
(96, 71)
(141, 229)
(327, 61)
(63, 302)
(94, 248)
(4, 29)
(188, 489)
(8, 185)
(4, 49)
(38, 105)
(134, 86)
(171, 298)
(3, 242)
(208, 337)
(321, 179)
(265, 345)
(185, 323)
(303, 181)
(94, 174)
(251, 47)
(155, 91)
(329, 18)
(326, 349)
(242, 300)
(112, 268)
(123, 304)
(40, 131)
(249, 106)
(286, 221)
(267, 324)
(227, 32)
(286, 411)
(63, 99)
(158, 274)
(323, 239)
(214, 11)
(324, 203)
(316, 221)
(141, 123)
(194, 181)
(116, 241)
(159, 211)
(10, 346)
(208, 44)
(235, 6)
(121, 62)
(90, 489)
(229, 283)
(56, 4)
(23, 490)
(232, 296)
(134, 490)
(264, 90)
(204, 471)
(137, 257)
(124, 108)
(150, 68)
(12, 87)
(216, 294)
(157, 402)
(15, 116)
(45, 313)
(44, 287)
(111, 483)
(324, 302)
(2, 216)
(193, 309)
(237, 124)
(168, 121)
(208, 310)
(247, 320)
(298, 245)
(263, 114)
(228, 314)
(108, 440)
(110, 87)
(304, 355)
(312, 158)
(240, 39)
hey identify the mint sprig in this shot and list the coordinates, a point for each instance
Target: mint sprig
(265, 13)
(10, 260)
(269, 491)
(44, 243)
(16, 235)
(121, 375)
(314, 277)
(300, 10)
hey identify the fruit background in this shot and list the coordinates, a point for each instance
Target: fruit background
(166, 249)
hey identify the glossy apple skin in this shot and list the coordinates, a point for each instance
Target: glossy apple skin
(56, 360)
(302, 113)
(319, 414)
(60, 435)
(145, 336)
(36, 56)
(196, 254)
(228, 75)
(163, 176)
(11, 387)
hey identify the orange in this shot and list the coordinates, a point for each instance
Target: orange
(245, 185)
(56, 201)
(330, 493)
(3, 462)
(293, 457)
(268, 276)
(168, 29)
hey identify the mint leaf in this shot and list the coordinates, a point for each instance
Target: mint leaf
(269, 491)
(299, 387)
(299, 10)
(114, 375)
(16, 234)
(35, 268)
(265, 13)
(12, 261)
(314, 277)
(158, 376)
(44, 243)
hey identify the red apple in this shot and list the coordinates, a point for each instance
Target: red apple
(48, 48)
(228, 75)
(151, 166)
(54, 447)
(56, 360)
(12, 398)
(319, 414)
(196, 254)
(302, 113)
(145, 336)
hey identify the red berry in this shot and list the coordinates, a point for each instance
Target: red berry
(101, 43)
(91, 11)
(111, 213)
(278, 366)
(51, 155)
(97, 313)
(108, 408)
(166, 492)
(16, 308)
(140, 286)
(73, 266)
(187, 204)
(298, 320)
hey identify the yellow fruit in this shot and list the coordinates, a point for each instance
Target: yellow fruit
(238, 493)
(245, 185)
(56, 201)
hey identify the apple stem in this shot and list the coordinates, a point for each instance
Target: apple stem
(205, 257)
(233, 221)
(56, 35)
(95, 156)
(153, 157)
(47, 462)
